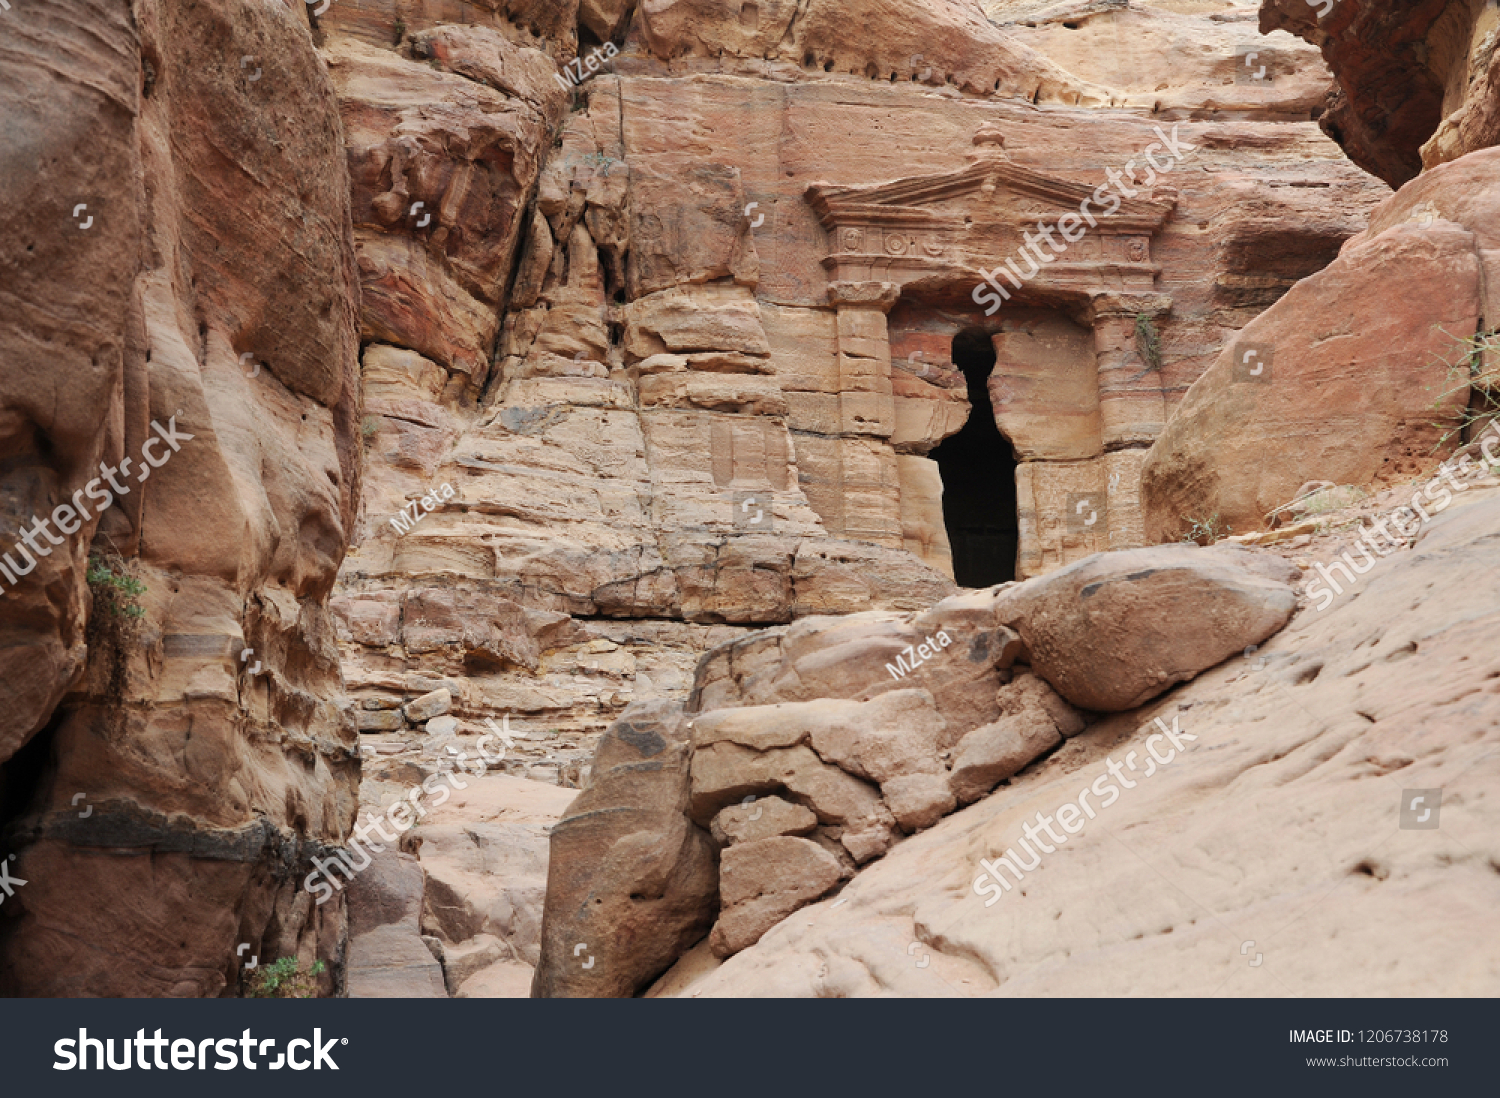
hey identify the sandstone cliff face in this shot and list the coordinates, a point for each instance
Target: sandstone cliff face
(668, 353)
(181, 293)
(1368, 372)
(604, 335)
(814, 750)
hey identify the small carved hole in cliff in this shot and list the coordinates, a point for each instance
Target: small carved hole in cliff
(978, 468)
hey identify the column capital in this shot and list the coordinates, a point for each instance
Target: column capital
(1114, 303)
(880, 295)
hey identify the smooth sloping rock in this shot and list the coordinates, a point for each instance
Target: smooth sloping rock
(763, 882)
(1115, 630)
(630, 878)
(1284, 818)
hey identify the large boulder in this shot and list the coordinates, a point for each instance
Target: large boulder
(1114, 630)
(1339, 358)
(631, 882)
(387, 957)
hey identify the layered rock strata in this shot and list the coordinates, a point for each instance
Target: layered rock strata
(658, 387)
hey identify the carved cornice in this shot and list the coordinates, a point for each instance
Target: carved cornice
(947, 227)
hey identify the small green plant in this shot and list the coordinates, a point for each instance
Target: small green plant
(1205, 531)
(1148, 341)
(284, 979)
(115, 621)
(1477, 373)
(398, 33)
(115, 589)
(369, 425)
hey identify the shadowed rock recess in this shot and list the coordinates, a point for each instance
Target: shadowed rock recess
(599, 498)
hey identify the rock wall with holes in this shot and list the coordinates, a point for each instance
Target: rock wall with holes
(180, 401)
(659, 302)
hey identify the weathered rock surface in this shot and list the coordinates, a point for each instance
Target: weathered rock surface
(1112, 632)
(1361, 384)
(1033, 721)
(387, 958)
(760, 883)
(470, 884)
(673, 411)
(631, 882)
(1333, 724)
(630, 391)
(1416, 81)
(880, 759)
(761, 818)
(1170, 59)
(176, 248)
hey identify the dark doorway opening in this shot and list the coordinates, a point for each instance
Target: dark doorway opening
(978, 467)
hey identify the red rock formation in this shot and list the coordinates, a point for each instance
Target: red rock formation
(1416, 78)
(174, 755)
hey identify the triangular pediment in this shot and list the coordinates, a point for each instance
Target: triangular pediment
(915, 200)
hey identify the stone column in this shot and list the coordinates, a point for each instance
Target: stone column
(1132, 406)
(870, 485)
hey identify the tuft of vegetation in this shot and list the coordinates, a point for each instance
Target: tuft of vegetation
(369, 425)
(115, 621)
(1205, 531)
(284, 979)
(398, 33)
(1477, 372)
(116, 591)
(1148, 341)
